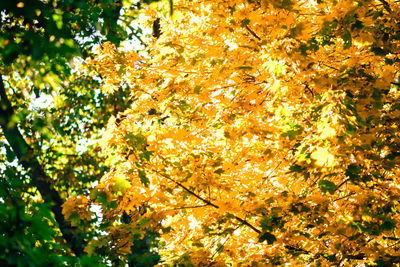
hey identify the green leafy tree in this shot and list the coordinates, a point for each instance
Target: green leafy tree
(48, 148)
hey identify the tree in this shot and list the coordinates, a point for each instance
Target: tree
(48, 150)
(260, 132)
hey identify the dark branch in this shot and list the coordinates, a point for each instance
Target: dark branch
(30, 163)
(297, 249)
(343, 197)
(190, 207)
(208, 202)
(252, 33)
(341, 184)
(309, 89)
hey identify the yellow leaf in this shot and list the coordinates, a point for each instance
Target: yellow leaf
(322, 157)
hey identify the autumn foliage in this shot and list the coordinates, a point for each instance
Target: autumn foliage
(261, 132)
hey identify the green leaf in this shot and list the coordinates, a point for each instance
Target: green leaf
(268, 223)
(347, 39)
(219, 171)
(152, 111)
(9, 153)
(74, 219)
(166, 229)
(99, 196)
(183, 105)
(171, 7)
(245, 22)
(267, 236)
(197, 89)
(138, 141)
(143, 178)
(283, 4)
(121, 184)
(146, 155)
(379, 51)
(353, 171)
(296, 168)
(331, 258)
(377, 95)
(291, 130)
(244, 68)
(57, 18)
(197, 244)
(278, 69)
(327, 186)
(217, 125)
(388, 225)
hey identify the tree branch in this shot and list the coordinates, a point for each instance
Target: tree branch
(30, 163)
(343, 197)
(341, 184)
(243, 221)
(252, 33)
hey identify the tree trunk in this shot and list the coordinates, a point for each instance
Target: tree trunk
(41, 181)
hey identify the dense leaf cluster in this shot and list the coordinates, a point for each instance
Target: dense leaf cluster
(270, 132)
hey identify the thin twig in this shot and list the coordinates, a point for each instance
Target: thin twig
(340, 198)
(252, 33)
(309, 89)
(139, 39)
(226, 240)
(340, 185)
(189, 207)
(270, 173)
(328, 66)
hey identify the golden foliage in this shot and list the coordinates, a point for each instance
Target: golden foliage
(76, 209)
(261, 132)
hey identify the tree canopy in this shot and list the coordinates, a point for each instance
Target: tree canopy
(246, 132)
(260, 132)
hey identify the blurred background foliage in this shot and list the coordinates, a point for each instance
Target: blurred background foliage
(60, 113)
